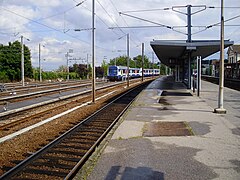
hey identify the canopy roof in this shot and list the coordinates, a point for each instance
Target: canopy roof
(172, 52)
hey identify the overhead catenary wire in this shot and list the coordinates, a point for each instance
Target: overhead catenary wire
(216, 24)
(118, 32)
(146, 20)
(132, 33)
(147, 10)
(100, 19)
(62, 12)
(149, 21)
(167, 8)
(55, 29)
(117, 12)
(106, 23)
(53, 15)
(110, 16)
(174, 27)
(227, 7)
(44, 25)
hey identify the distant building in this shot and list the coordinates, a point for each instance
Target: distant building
(206, 67)
(209, 67)
(215, 68)
(232, 68)
(233, 54)
(231, 64)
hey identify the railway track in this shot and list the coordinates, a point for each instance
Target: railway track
(64, 156)
(230, 83)
(12, 105)
(38, 92)
(25, 118)
(12, 112)
(29, 88)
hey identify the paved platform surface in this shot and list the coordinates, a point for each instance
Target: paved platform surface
(213, 152)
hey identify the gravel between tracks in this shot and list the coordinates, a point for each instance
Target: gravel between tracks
(22, 146)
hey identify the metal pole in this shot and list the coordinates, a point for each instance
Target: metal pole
(236, 74)
(93, 51)
(198, 75)
(178, 73)
(22, 61)
(189, 26)
(142, 60)
(40, 71)
(152, 62)
(159, 68)
(67, 67)
(87, 68)
(189, 70)
(176, 68)
(127, 60)
(220, 108)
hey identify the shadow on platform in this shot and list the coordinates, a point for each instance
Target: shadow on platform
(139, 173)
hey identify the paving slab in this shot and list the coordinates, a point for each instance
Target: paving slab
(213, 152)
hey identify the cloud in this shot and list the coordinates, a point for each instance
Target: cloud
(33, 3)
(46, 21)
(11, 21)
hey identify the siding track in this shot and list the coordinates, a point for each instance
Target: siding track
(64, 156)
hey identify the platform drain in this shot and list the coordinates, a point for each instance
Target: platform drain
(176, 93)
(154, 129)
(163, 101)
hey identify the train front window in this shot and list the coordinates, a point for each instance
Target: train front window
(113, 71)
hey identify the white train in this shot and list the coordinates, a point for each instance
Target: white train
(117, 73)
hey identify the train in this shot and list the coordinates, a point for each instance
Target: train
(118, 73)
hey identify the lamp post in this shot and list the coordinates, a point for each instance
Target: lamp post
(93, 51)
(40, 70)
(127, 59)
(104, 66)
(220, 108)
(142, 60)
(128, 49)
(88, 66)
(67, 66)
(22, 61)
(152, 63)
(67, 56)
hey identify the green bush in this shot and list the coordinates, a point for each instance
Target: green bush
(3, 77)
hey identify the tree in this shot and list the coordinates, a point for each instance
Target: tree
(138, 60)
(99, 71)
(135, 62)
(163, 69)
(3, 76)
(104, 67)
(62, 68)
(10, 61)
(119, 61)
(80, 69)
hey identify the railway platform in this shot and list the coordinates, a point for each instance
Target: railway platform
(170, 133)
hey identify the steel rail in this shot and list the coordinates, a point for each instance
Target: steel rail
(10, 112)
(21, 167)
(229, 83)
(42, 92)
(19, 87)
(33, 87)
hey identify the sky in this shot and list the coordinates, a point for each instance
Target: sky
(53, 25)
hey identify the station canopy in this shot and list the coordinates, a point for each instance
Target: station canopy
(173, 52)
